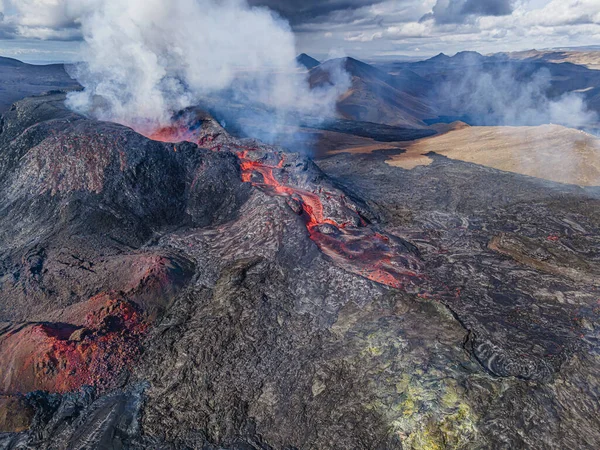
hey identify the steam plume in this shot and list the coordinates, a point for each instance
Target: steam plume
(505, 96)
(143, 60)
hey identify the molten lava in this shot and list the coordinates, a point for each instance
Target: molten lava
(357, 249)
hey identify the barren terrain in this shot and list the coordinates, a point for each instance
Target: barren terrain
(587, 58)
(194, 288)
(225, 294)
(550, 152)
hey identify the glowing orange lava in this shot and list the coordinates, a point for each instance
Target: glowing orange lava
(359, 250)
(356, 249)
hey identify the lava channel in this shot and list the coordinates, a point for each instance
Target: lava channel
(361, 250)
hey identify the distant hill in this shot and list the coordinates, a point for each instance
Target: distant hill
(428, 68)
(376, 96)
(459, 58)
(589, 58)
(10, 62)
(307, 61)
(20, 80)
(441, 61)
(503, 148)
(438, 58)
(449, 78)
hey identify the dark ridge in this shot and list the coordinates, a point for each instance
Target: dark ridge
(307, 61)
(377, 131)
(10, 62)
(20, 80)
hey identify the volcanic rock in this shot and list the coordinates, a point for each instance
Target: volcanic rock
(15, 414)
(169, 294)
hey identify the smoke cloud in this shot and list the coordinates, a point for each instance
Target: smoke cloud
(144, 60)
(505, 96)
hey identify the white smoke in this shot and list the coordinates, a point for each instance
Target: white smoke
(143, 60)
(503, 96)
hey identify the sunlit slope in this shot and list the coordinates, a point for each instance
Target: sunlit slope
(551, 152)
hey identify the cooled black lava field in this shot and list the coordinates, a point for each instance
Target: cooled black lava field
(225, 294)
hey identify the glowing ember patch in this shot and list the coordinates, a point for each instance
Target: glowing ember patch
(58, 357)
(171, 134)
(195, 128)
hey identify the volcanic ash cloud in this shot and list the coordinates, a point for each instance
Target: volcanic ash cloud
(143, 60)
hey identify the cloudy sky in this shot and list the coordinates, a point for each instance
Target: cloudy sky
(46, 30)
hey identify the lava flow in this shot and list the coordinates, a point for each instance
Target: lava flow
(351, 244)
(360, 250)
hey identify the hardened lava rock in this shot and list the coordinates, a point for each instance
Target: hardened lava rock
(224, 294)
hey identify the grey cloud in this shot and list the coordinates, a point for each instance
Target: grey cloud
(300, 12)
(349, 16)
(7, 30)
(489, 7)
(461, 11)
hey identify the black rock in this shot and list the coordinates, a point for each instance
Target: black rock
(261, 334)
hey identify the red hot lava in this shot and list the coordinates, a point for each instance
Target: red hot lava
(358, 249)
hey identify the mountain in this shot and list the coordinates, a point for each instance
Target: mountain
(375, 96)
(20, 80)
(441, 57)
(460, 60)
(108, 237)
(307, 61)
(10, 62)
(589, 58)
(460, 87)
(466, 57)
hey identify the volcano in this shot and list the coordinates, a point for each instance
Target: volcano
(189, 289)
(397, 99)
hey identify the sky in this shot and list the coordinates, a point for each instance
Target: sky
(47, 30)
